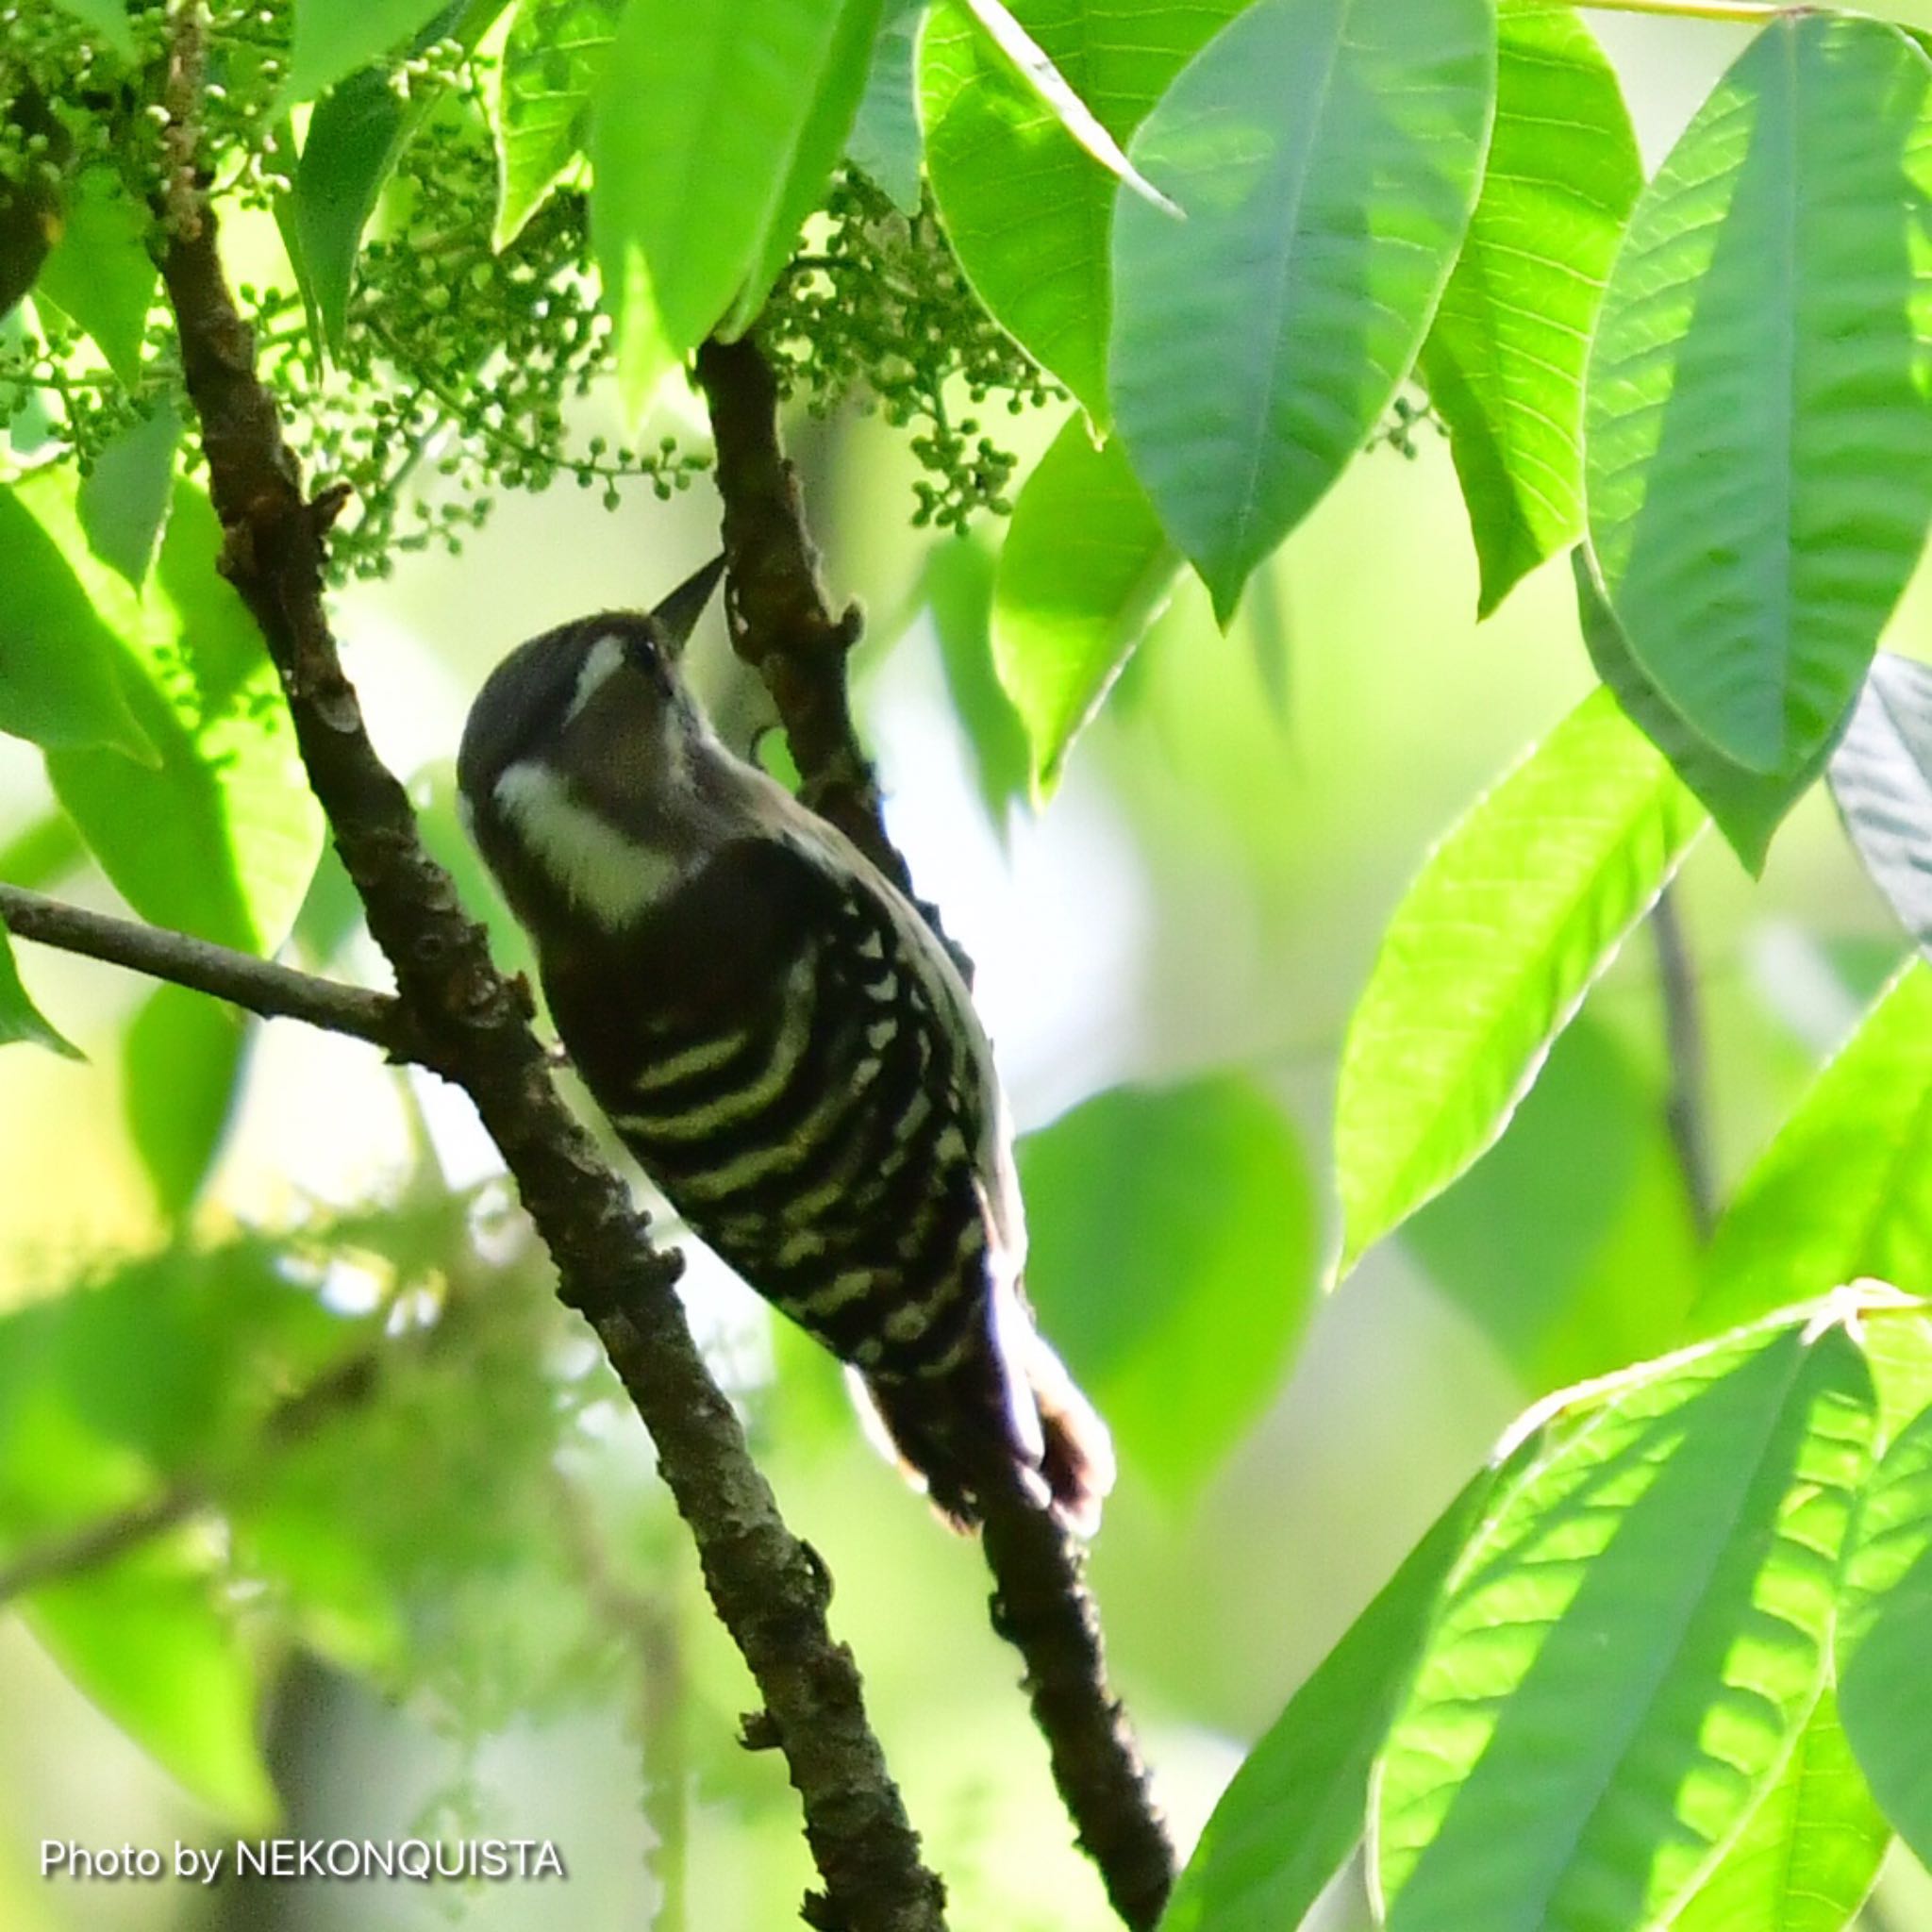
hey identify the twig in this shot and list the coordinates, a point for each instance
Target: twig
(783, 627)
(100, 1541)
(1044, 1608)
(276, 993)
(1684, 1100)
(780, 624)
(293, 1419)
(769, 1589)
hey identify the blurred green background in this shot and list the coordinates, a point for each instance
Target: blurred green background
(501, 1631)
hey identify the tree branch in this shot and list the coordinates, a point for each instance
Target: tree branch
(261, 986)
(782, 627)
(770, 1590)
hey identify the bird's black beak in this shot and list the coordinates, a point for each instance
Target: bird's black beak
(677, 616)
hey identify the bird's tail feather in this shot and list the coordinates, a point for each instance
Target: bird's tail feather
(1016, 1392)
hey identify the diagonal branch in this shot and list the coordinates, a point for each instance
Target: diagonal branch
(770, 1590)
(783, 627)
(259, 986)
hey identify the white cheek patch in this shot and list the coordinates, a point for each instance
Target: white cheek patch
(604, 658)
(612, 877)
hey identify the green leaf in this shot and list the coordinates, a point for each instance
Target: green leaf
(958, 588)
(715, 130)
(1503, 359)
(43, 853)
(99, 272)
(883, 143)
(1086, 567)
(1881, 780)
(356, 137)
(20, 1019)
(123, 498)
(1512, 917)
(1759, 449)
(1806, 1857)
(1192, 1206)
(1845, 1190)
(1037, 69)
(221, 837)
(1657, 1593)
(335, 39)
(1028, 213)
(840, 83)
(1327, 154)
(1748, 806)
(179, 1084)
(539, 103)
(107, 1392)
(1570, 1242)
(1294, 1809)
(144, 1641)
(1883, 1633)
(107, 18)
(59, 682)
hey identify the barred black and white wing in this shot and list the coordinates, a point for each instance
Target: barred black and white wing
(802, 1073)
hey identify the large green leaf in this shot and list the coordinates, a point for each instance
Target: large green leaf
(1027, 211)
(108, 18)
(1570, 1242)
(20, 1019)
(1881, 778)
(1084, 570)
(355, 137)
(107, 1392)
(713, 133)
(957, 583)
(1845, 1190)
(1327, 154)
(1294, 1810)
(336, 38)
(1503, 359)
(1885, 1635)
(540, 101)
(884, 144)
(1758, 444)
(123, 498)
(146, 1642)
(1173, 1258)
(221, 837)
(1485, 958)
(1748, 806)
(1657, 1594)
(1806, 1857)
(60, 683)
(179, 1082)
(99, 272)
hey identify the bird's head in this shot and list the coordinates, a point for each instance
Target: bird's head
(577, 768)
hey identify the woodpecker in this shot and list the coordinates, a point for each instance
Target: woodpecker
(775, 1033)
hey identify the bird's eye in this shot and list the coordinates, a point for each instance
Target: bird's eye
(643, 653)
